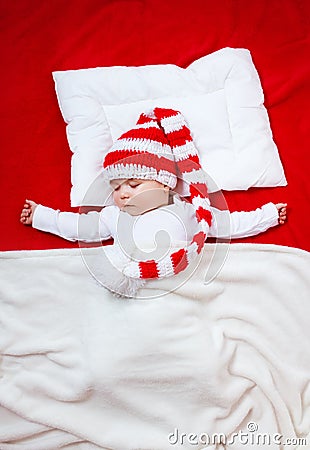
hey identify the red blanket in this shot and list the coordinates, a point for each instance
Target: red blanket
(40, 37)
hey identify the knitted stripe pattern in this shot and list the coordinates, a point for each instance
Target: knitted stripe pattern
(160, 147)
(142, 152)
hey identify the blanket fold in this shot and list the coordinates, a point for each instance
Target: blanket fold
(82, 369)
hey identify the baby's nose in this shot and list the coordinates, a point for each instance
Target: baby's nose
(124, 192)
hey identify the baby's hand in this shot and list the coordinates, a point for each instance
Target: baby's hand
(281, 207)
(27, 212)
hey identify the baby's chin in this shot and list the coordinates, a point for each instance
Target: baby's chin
(134, 210)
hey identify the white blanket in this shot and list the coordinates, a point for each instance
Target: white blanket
(82, 369)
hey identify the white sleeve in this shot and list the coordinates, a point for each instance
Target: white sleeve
(241, 224)
(72, 226)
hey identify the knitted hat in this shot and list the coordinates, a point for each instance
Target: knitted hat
(160, 147)
(142, 152)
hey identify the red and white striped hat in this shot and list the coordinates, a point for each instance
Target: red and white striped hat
(160, 147)
(142, 152)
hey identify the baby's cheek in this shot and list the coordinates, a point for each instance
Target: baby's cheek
(115, 198)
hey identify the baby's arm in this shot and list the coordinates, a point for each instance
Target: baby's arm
(242, 224)
(90, 227)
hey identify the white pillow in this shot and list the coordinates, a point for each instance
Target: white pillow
(220, 96)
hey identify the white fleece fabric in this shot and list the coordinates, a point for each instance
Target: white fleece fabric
(81, 369)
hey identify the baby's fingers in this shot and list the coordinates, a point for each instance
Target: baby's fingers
(281, 206)
(282, 216)
(25, 213)
(26, 210)
(25, 220)
(30, 203)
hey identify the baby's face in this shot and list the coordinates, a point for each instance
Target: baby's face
(136, 196)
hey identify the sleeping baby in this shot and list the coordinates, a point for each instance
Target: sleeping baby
(159, 201)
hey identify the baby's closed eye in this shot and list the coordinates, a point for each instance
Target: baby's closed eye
(133, 184)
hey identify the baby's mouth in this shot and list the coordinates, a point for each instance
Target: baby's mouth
(127, 206)
(132, 210)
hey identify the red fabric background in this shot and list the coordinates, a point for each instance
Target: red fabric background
(39, 37)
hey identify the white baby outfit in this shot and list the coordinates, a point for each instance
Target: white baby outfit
(175, 219)
(145, 237)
